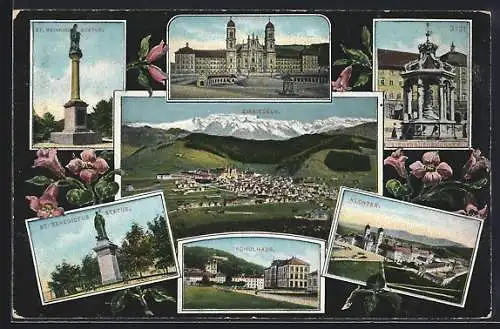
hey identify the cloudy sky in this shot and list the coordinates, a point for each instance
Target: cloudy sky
(407, 35)
(395, 215)
(72, 241)
(263, 250)
(156, 110)
(209, 32)
(101, 67)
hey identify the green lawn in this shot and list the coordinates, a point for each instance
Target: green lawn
(213, 298)
(354, 270)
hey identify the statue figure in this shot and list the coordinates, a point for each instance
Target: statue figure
(75, 40)
(99, 225)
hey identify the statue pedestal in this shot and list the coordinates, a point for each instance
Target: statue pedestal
(108, 264)
(75, 126)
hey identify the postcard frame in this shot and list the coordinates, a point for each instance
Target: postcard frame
(469, 73)
(249, 234)
(333, 230)
(250, 100)
(117, 122)
(31, 146)
(109, 204)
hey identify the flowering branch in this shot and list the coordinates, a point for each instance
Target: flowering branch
(437, 187)
(93, 184)
(149, 72)
(359, 58)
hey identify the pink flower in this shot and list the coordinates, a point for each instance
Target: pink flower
(472, 210)
(46, 205)
(476, 162)
(157, 74)
(47, 158)
(89, 167)
(342, 82)
(398, 161)
(431, 170)
(156, 52)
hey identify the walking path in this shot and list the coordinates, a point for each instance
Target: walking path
(301, 300)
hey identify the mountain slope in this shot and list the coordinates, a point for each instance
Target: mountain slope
(197, 257)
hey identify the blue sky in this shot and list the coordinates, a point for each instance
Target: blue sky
(209, 32)
(263, 250)
(72, 241)
(395, 215)
(101, 67)
(156, 110)
(407, 35)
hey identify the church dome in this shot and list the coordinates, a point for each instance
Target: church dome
(269, 25)
(230, 23)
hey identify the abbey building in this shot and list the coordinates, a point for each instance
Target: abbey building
(248, 56)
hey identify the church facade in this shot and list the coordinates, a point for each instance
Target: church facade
(252, 55)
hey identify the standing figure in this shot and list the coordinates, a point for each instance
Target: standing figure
(99, 224)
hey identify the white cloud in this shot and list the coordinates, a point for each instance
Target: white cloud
(97, 81)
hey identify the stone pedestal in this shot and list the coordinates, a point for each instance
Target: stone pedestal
(108, 264)
(75, 126)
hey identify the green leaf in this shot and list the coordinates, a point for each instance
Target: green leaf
(110, 175)
(363, 79)
(358, 56)
(40, 180)
(366, 39)
(342, 62)
(159, 295)
(393, 186)
(70, 181)
(118, 302)
(479, 184)
(106, 190)
(144, 48)
(143, 80)
(80, 197)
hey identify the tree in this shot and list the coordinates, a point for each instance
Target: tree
(136, 252)
(66, 279)
(44, 125)
(90, 273)
(161, 242)
(101, 119)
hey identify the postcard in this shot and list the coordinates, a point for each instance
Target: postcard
(103, 248)
(237, 167)
(260, 57)
(418, 251)
(250, 272)
(424, 68)
(70, 97)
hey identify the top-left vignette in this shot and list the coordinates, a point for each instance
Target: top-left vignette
(70, 97)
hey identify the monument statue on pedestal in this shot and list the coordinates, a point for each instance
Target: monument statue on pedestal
(106, 252)
(75, 114)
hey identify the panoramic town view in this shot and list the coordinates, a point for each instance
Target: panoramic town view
(245, 273)
(275, 170)
(371, 239)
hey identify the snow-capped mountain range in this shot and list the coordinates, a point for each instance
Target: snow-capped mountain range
(254, 127)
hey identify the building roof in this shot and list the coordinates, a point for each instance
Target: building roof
(269, 25)
(185, 50)
(437, 265)
(295, 261)
(230, 23)
(454, 58)
(210, 53)
(393, 59)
